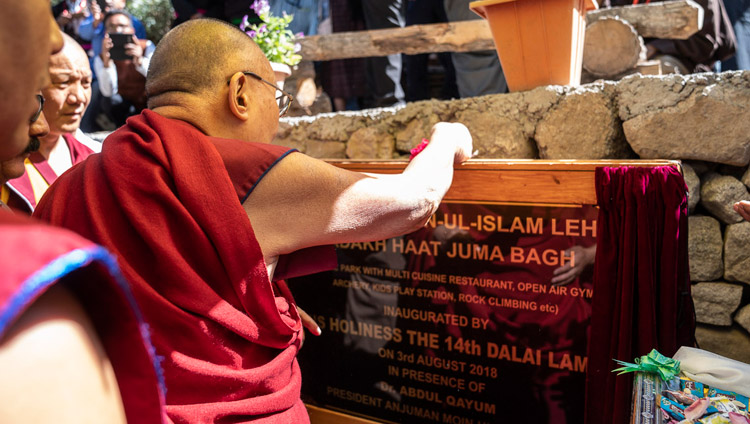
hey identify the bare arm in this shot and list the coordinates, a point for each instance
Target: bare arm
(305, 202)
(54, 369)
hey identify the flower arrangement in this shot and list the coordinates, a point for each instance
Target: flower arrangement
(273, 36)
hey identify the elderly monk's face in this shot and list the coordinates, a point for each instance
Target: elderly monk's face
(266, 122)
(69, 92)
(28, 35)
(14, 168)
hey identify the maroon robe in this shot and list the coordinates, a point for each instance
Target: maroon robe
(167, 200)
(34, 257)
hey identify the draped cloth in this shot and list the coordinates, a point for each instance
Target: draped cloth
(36, 257)
(166, 199)
(641, 281)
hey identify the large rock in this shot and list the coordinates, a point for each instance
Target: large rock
(370, 143)
(743, 317)
(414, 122)
(746, 178)
(583, 125)
(737, 252)
(719, 193)
(694, 186)
(700, 116)
(705, 247)
(732, 342)
(326, 149)
(715, 302)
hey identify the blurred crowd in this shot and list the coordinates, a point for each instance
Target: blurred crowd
(119, 52)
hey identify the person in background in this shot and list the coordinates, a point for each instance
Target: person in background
(67, 96)
(69, 15)
(344, 79)
(477, 73)
(73, 346)
(702, 50)
(92, 27)
(384, 73)
(305, 14)
(122, 82)
(739, 14)
(420, 12)
(92, 31)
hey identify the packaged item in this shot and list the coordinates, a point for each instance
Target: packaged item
(713, 392)
(645, 409)
(697, 388)
(674, 409)
(722, 404)
(714, 419)
(685, 398)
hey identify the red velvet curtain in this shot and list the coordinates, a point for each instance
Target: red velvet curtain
(641, 281)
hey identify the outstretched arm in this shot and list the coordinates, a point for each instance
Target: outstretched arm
(305, 202)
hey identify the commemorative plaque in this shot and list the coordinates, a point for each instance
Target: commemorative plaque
(479, 317)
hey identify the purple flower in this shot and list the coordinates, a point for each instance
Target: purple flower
(262, 29)
(245, 23)
(259, 5)
(251, 33)
(300, 35)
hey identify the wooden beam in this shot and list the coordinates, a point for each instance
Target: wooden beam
(464, 36)
(677, 19)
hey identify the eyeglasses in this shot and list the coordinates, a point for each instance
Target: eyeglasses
(284, 100)
(36, 114)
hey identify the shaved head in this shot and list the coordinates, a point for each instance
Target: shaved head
(199, 56)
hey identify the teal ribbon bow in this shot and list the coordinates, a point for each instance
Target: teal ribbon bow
(654, 363)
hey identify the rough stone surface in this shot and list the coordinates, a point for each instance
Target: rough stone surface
(719, 193)
(411, 135)
(746, 178)
(583, 125)
(700, 116)
(737, 252)
(497, 136)
(694, 186)
(732, 342)
(743, 317)
(705, 247)
(715, 302)
(326, 149)
(701, 167)
(370, 143)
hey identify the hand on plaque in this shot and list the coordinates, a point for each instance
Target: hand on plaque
(583, 257)
(743, 208)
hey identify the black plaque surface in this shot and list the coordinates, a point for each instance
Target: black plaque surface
(458, 322)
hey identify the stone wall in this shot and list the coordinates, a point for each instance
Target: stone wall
(702, 119)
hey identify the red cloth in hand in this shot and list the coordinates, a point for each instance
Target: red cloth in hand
(166, 199)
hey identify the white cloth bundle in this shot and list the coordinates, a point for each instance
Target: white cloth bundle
(714, 370)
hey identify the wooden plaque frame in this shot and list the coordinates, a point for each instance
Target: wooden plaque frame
(522, 182)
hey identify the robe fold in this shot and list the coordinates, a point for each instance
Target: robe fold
(166, 199)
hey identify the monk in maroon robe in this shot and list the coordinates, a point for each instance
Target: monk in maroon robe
(206, 217)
